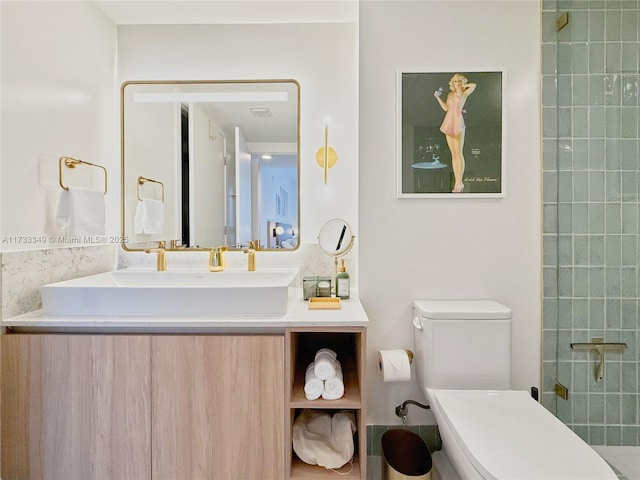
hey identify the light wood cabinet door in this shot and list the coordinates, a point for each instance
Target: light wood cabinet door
(75, 407)
(218, 407)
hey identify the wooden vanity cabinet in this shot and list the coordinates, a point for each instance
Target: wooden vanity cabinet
(350, 345)
(75, 407)
(89, 407)
(167, 407)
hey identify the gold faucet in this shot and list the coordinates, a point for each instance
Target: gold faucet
(161, 264)
(252, 247)
(216, 259)
(251, 259)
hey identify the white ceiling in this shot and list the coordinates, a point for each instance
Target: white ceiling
(177, 12)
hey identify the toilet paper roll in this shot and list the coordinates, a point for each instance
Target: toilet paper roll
(394, 365)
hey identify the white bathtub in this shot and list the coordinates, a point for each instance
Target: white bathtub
(625, 460)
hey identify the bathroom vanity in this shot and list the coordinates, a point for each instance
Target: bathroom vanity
(166, 397)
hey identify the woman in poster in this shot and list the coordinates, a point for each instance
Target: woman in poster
(453, 124)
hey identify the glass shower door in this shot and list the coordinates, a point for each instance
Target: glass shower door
(591, 217)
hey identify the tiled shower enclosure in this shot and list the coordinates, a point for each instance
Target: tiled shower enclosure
(591, 216)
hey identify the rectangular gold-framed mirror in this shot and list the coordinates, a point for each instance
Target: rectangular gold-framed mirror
(210, 163)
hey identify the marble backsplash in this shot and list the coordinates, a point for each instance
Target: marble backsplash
(24, 272)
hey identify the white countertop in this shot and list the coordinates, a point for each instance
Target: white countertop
(298, 314)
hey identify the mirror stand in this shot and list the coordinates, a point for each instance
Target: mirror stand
(336, 239)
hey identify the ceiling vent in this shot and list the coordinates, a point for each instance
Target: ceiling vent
(261, 112)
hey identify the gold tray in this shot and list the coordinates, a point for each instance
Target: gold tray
(324, 303)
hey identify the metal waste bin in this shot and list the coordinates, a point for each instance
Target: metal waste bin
(405, 456)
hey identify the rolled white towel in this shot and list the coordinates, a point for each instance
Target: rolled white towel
(325, 361)
(331, 353)
(325, 365)
(313, 386)
(334, 387)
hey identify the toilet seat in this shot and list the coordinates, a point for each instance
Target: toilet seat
(506, 435)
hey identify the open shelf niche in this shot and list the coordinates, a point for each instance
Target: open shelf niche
(301, 346)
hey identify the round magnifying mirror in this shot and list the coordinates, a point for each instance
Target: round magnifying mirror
(336, 237)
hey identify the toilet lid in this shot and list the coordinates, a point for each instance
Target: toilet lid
(462, 309)
(508, 435)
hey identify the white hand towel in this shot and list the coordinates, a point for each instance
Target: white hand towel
(334, 387)
(320, 438)
(325, 365)
(149, 216)
(313, 386)
(81, 211)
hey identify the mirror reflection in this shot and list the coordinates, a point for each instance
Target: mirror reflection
(210, 163)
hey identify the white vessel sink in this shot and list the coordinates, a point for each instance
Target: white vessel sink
(177, 292)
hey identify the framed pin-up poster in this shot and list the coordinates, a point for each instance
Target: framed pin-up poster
(451, 133)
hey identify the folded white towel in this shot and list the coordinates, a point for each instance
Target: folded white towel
(149, 216)
(334, 387)
(320, 438)
(313, 386)
(81, 211)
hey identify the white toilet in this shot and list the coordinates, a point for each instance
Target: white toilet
(463, 362)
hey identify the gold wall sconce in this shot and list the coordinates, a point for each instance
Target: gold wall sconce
(326, 156)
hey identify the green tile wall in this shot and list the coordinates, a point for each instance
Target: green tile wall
(591, 213)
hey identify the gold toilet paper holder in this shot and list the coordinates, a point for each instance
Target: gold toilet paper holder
(410, 355)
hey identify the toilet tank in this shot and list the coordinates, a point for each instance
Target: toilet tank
(462, 344)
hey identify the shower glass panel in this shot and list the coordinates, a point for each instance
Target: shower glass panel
(591, 216)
